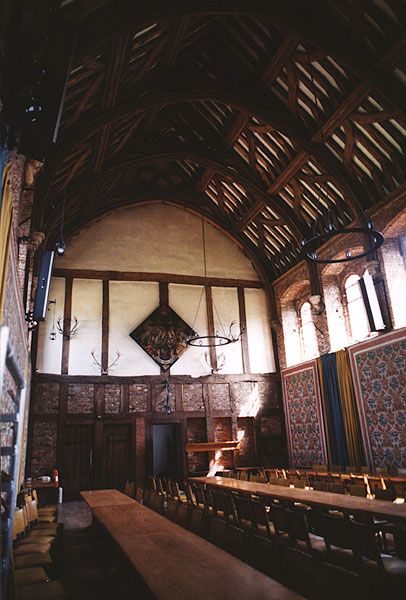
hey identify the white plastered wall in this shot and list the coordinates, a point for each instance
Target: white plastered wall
(225, 309)
(130, 303)
(185, 299)
(50, 351)
(87, 307)
(156, 238)
(258, 332)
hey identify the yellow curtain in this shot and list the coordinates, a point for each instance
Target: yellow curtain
(324, 409)
(5, 229)
(351, 422)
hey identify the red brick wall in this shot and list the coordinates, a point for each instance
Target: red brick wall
(196, 432)
(208, 410)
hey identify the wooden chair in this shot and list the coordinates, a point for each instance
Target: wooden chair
(300, 536)
(217, 529)
(197, 521)
(264, 555)
(338, 535)
(336, 488)
(388, 572)
(320, 486)
(388, 494)
(243, 511)
(156, 502)
(183, 514)
(139, 492)
(129, 489)
(357, 490)
(236, 541)
(171, 509)
(260, 515)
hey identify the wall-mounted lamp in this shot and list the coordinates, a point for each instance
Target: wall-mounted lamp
(52, 333)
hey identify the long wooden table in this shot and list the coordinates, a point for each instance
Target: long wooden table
(349, 504)
(175, 563)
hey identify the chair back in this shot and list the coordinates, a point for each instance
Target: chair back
(260, 515)
(278, 516)
(388, 494)
(32, 511)
(138, 493)
(298, 526)
(218, 503)
(337, 531)
(129, 489)
(320, 468)
(320, 486)
(258, 478)
(357, 490)
(159, 485)
(242, 505)
(19, 523)
(243, 476)
(157, 502)
(336, 488)
(199, 494)
(367, 542)
(171, 509)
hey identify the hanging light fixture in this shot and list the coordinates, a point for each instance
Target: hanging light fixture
(358, 241)
(221, 337)
(60, 245)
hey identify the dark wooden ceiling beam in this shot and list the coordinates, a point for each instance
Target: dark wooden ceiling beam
(281, 55)
(315, 21)
(200, 156)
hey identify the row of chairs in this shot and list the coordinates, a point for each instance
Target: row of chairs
(355, 486)
(36, 552)
(301, 545)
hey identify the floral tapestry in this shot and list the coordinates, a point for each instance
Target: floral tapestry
(304, 423)
(379, 372)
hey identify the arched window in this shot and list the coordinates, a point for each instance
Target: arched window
(356, 309)
(309, 338)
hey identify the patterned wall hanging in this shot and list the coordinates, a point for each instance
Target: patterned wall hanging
(304, 422)
(378, 369)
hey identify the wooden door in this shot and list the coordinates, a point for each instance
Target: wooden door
(117, 455)
(78, 456)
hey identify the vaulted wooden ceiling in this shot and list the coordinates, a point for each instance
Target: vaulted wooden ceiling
(270, 118)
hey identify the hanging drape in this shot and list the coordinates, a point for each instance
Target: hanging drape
(350, 414)
(324, 410)
(334, 420)
(5, 230)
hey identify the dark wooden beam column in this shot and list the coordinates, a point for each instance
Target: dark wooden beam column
(164, 301)
(67, 314)
(243, 325)
(210, 324)
(105, 326)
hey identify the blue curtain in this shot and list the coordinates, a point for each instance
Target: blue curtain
(334, 416)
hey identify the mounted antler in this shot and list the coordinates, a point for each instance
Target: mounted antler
(105, 371)
(221, 361)
(66, 332)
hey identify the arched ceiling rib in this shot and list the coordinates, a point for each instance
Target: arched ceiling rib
(265, 115)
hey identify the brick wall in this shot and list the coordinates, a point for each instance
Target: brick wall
(80, 398)
(197, 432)
(208, 410)
(44, 445)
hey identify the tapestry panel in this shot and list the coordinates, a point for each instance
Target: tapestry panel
(304, 423)
(379, 372)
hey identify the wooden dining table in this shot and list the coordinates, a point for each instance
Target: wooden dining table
(347, 503)
(175, 563)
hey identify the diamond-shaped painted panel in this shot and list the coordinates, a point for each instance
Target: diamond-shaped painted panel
(163, 336)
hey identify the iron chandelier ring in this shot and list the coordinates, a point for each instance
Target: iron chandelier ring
(309, 247)
(211, 341)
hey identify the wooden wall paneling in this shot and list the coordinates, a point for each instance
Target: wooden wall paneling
(63, 401)
(105, 326)
(160, 277)
(125, 399)
(178, 397)
(98, 458)
(67, 314)
(163, 301)
(243, 326)
(149, 398)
